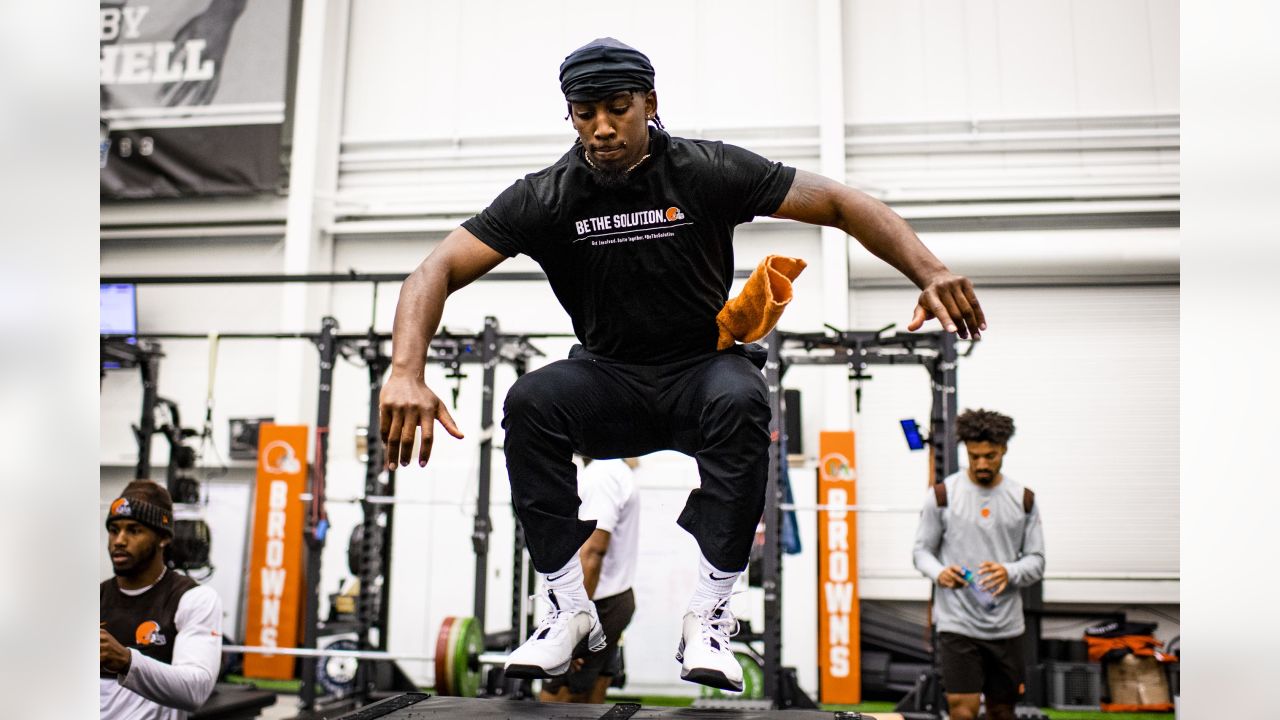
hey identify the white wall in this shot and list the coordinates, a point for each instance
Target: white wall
(434, 69)
(931, 60)
(1047, 129)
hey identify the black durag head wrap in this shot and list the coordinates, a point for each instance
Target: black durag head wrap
(604, 67)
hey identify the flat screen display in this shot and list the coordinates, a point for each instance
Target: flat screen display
(117, 309)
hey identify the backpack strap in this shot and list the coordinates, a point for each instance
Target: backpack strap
(940, 494)
(1028, 500)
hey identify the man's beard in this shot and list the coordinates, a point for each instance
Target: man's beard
(610, 177)
(141, 563)
(984, 479)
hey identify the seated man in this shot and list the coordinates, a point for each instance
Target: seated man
(160, 640)
(608, 492)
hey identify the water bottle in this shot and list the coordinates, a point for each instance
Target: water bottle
(984, 596)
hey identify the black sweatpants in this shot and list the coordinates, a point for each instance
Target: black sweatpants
(713, 407)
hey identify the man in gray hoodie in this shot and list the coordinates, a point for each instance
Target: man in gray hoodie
(979, 539)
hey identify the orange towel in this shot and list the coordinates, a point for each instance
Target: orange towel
(1140, 645)
(753, 313)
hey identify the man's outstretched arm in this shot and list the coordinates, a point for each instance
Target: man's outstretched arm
(406, 403)
(949, 297)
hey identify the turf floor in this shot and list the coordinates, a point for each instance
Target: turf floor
(1053, 714)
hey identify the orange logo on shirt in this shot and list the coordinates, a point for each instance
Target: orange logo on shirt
(148, 633)
(673, 213)
(986, 512)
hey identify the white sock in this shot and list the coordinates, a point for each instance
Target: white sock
(566, 585)
(713, 586)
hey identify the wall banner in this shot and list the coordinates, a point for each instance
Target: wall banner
(192, 96)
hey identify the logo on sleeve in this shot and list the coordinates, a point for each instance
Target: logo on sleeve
(630, 226)
(148, 634)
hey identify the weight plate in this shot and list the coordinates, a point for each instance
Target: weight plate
(442, 656)
(355, 547)
(451, 656)
(752, 681)
(467, 644)
(337, 675)
(752, 677)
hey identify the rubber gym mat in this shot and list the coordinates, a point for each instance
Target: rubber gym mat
(496, 709)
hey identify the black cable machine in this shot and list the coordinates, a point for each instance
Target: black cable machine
(856, 350)
(189, 551)
(124, 352)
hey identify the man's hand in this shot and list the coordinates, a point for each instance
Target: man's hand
(993, 576)
(951, 577)
(112, 656)
(407, 404)
(950, 298)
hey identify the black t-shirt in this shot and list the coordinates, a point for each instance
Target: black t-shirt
(643, 269)
(145, 622)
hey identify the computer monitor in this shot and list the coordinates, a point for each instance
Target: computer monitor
(118, 309)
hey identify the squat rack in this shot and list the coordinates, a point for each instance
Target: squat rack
(856, 350)
(488, 348)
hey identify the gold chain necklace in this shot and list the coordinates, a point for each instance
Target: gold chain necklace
(586, 155)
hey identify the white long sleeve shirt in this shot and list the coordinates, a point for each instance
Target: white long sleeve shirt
(153, 690)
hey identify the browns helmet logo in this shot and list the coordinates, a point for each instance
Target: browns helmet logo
(278, 459)
(121, 507)
(673, 213)
(835, 466)
(148, 633)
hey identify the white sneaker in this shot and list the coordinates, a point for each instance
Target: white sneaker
(549, 651)
(704, 653)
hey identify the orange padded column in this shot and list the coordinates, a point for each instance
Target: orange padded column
(839, 641)
(275, 566)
